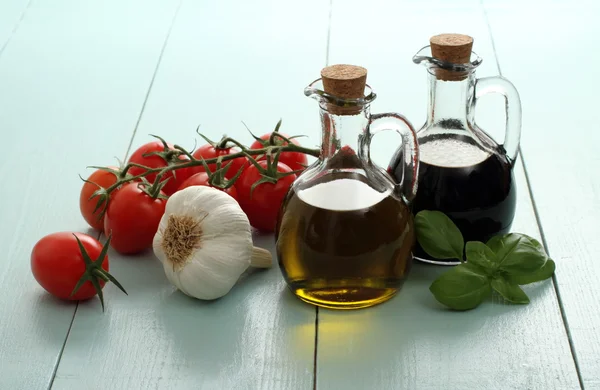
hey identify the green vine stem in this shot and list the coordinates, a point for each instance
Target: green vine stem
(272, 147)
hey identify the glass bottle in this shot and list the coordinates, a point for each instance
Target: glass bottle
(345, 232)
(463, 172)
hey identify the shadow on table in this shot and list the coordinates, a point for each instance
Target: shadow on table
(51, 317)
(414, 324)
(251, 329)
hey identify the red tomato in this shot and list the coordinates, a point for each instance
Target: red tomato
(155, 161)
(262, 205)
(57, 264)
(294, 160)
(104, 179)
(181, 175)
(201, 179)
(132, 217)
(208, 151)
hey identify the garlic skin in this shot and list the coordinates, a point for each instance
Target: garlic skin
(211, 264)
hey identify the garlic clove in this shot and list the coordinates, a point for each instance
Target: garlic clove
(202, 282)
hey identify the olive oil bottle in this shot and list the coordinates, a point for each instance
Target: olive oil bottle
(345, 232)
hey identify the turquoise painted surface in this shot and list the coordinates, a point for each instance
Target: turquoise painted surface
(66, 101)
(412, 342)
(60, 89)
(224, 63)
(560, 149)
(11, 14)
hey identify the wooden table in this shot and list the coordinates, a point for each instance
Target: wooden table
(83, 82)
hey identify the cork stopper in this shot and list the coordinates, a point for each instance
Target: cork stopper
(344, 81)
(453, 48)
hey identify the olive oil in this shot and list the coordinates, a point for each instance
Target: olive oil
(343, 244)
(345, 232)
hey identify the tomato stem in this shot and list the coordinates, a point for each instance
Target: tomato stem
(272, 149)
(217, 178)
(94, 271)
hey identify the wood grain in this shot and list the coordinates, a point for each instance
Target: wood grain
(225, 62)
(76, 73)
(411, 341)
(72, 81)
(560, 146)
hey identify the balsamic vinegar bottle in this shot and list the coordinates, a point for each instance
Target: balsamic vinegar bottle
(463, 172)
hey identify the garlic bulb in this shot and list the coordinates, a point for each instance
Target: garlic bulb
(204, 242)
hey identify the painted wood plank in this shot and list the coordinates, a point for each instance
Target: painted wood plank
(411, 341)
(225, 62)
(72, 81)
(11, 14)
(560, 147)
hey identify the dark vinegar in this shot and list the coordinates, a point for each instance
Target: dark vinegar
(474, 188)
(341, 244)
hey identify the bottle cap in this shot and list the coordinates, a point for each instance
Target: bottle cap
(453, 48)
(344, 81)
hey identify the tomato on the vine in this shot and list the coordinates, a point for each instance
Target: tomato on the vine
(262, 204)
(176, 177)
(132, 217)
(58, 264)
(208, 151)
(295, 160)
(202, 179)
(87, 206)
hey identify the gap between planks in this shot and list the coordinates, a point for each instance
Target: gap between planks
(554, 281)
(538, 219)
(327, 47)
(160, 56)
(62, 349)
(164, 45)
(15, 28)
(12, 34)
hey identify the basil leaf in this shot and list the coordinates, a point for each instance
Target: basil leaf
(518, 253)
(438, 236)
(481, 255)
(542, 274)
(510, 292)
(461, 288)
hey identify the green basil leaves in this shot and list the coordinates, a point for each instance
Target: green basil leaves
(502, 264)
(438, 235)
(461, 288)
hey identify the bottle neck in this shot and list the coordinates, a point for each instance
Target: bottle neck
(344, 136)
(450, 102)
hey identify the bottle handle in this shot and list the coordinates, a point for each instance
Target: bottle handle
(512, 103)
(410, 149)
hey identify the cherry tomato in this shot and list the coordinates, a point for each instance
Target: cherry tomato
(57, 264)
(208, 151)
(262, 205)
(175, 177)
(132, 217)
(202, 179)
(294, 160)
(104, 179)
(181, 175)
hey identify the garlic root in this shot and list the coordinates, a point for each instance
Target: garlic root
(261, 258)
